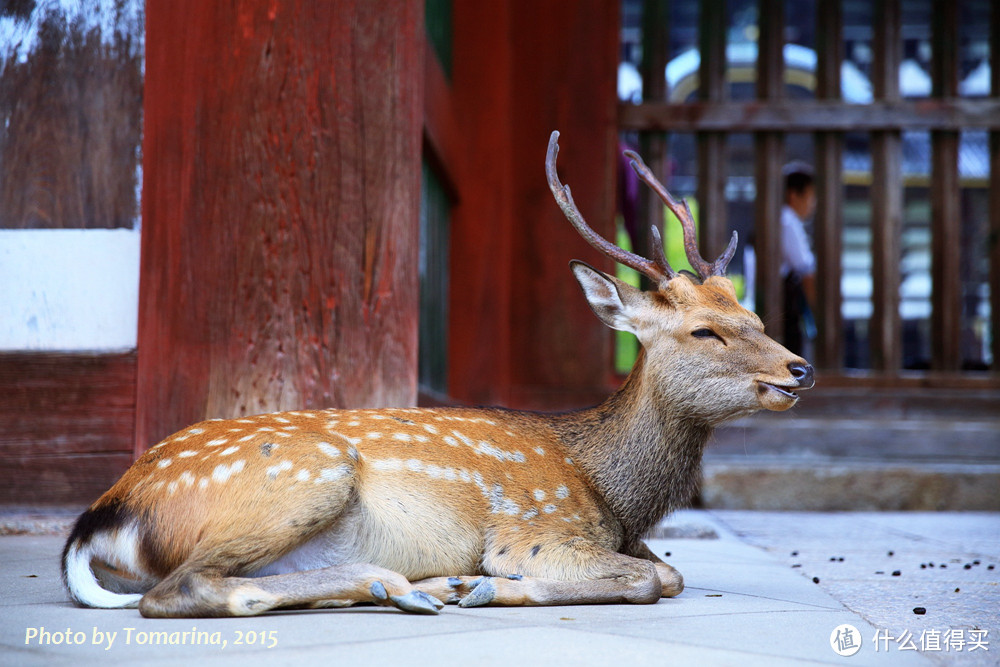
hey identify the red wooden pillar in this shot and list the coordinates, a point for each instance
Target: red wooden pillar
(521, 332)
(280, 208)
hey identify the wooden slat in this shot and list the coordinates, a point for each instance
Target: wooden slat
(655, 49)
(652, 146)
(828, 224)
(712, 145)
(994, 240)
(770, 150)
(994, 235)
(66, 425)
(885, 328)
(886, 228)
(946, 212)
(812, 115)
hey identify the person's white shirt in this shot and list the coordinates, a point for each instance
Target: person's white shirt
(796, 255)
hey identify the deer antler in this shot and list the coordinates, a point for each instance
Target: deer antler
(683, 213)
(658, 271)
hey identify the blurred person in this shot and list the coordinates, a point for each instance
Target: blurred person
(798, 264)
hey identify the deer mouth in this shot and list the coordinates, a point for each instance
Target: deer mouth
(787, 391)
(775, 396)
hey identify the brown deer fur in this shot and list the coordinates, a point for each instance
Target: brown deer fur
(412, 507)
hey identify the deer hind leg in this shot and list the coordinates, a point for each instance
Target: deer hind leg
(572, 572)
(193, 592)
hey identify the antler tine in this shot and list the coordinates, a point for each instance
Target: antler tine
(683, 213)
(658, 255)
(719, 265)
(565, 200)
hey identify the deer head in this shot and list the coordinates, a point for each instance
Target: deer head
(706, 355)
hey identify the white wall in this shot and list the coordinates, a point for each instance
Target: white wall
(69, 289)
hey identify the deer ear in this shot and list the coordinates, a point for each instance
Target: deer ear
(611, 300)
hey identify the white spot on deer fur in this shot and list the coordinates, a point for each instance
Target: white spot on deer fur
(569, 460)
(562, 491)
(530, 514)
(464, 476)
(379, 417)
(196, 431)
(491, 450)
(549, 509)
(247, 437)
(203, 483)
(465, 439)
(216, 442)
(402, 437)
(172, 488)
(265, 429)
(223, 472)
(333, 474)
(235, 430)
(415, 465)
(350, 441)
(277, 469)
(450, 441)
(245, 421)
(164, 463)
(430, 429)
(354, 423)
(282, 420)
(283, 435)
(229, 450)
(421, 438)
(328, 449)
(290, 427)
(374, 435)
(186, 453)
(539, 451)
(509, 434)
(539, 495)
(187, 478)
(302, 475)
(392, 465)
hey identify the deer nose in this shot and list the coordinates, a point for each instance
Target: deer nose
(804, 374)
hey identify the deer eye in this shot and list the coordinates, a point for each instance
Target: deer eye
(705, 332)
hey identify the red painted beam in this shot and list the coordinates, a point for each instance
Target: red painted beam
(280, 208)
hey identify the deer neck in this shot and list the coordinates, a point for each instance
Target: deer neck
(639, 450)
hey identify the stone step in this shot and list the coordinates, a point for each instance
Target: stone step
(845, 484)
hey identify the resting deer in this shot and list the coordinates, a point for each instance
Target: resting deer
(415, 507)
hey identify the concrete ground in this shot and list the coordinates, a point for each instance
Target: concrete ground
(750, 600)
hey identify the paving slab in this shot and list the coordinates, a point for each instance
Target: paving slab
(744, 605)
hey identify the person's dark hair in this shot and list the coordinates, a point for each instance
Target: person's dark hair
(798, 176)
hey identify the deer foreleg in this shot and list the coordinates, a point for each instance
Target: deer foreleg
(614, 579)
(188, 593)
(671, 580)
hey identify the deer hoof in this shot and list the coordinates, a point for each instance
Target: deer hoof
(483, 593)
(378, 591)
(417, 602)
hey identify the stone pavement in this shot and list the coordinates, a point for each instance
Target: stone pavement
(750, 600)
